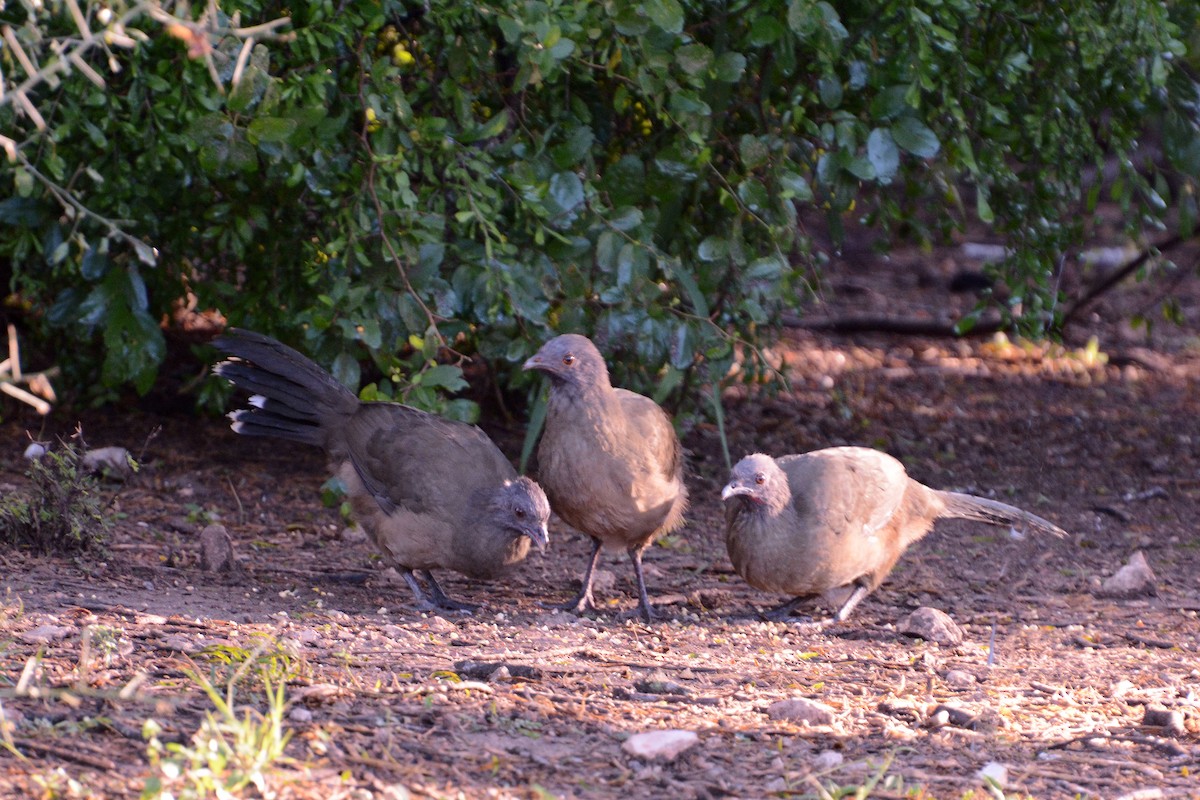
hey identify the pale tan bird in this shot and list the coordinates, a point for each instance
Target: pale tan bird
(833, 522)
(609, 460)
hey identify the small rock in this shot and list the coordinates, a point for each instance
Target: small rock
(111, 462)
(827, 760)
(45, 634)
(1170, 721)
(657, 682)
(959, 678)
(35, 451)
(181, 643)
(660, 745)
(996, 772)
(435, 624)
(354, 534)
(216, 550)
(800, 709)
(1135, 579)
(300, 715)
(932, 626)
(604, 581)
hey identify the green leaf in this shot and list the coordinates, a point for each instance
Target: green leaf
(713, 248)
(915, 137)
(666, 14)
(730, 67)
(626, 219)
(889, 103)
(94, 264)
(510, 28)
(765, 30)
(982, 207)
(830, 88)
(566, 191)
(346, 371)
(495, 126)
(688, 282)
(694, 58)
(444, 376)
(795, 187)
(271, 129)
(576, 147)
(883, 154)
(753, 151)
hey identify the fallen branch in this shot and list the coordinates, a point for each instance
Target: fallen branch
(1114, 277)
(38, 382)
(897, 325)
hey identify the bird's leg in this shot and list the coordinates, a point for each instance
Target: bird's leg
(860, 591)
(439, 597)
(635, 555)
(584, 601)
(422, 601)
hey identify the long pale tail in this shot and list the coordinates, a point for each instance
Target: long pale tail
(293, 397)
(981, 509)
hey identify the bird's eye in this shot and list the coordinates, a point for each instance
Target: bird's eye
(568, 359)
(520, 512)
(760, 478)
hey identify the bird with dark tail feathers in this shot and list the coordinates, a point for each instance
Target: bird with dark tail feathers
(833, 522)
(431, 493)
(609, 460)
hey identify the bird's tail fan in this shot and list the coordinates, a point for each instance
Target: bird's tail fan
(293, 398)
(981, 509)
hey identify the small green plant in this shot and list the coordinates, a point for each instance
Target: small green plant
(233, 749)
(271, 658)
(62, 512)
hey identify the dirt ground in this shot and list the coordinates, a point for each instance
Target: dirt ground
(1051, 684)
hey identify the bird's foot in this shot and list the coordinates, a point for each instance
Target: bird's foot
(645, 612)
(579, 606)
(437, 599)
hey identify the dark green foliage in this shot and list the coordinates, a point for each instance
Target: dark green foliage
(409, 176)
(61, 511)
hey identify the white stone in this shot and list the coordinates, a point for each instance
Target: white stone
(932, 626)
(996, 771)
(1135, 579)
(45, 634)
(959, 678)
(112, 462)
(827, 760)
(660, 745)
(802, 710)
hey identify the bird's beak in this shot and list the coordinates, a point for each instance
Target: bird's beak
(534, 362)
(733, 488)
(540, 536)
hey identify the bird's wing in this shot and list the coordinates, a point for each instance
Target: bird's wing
(410, 459)
(850, 489)
(651, 434)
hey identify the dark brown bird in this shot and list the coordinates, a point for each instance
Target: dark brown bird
(833, 522)
(430, 492)
(609, 460)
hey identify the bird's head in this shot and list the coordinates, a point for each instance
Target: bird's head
(570, 360)
(521, 507)
(757, 482)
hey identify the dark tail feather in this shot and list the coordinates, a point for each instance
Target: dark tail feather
(981, 509)
(293, 397)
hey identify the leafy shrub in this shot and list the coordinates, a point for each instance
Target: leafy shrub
(401, 182)
(61, 512)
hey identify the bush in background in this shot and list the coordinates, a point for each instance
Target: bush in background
(394, 183)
